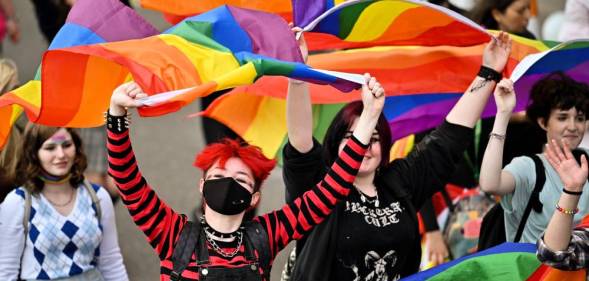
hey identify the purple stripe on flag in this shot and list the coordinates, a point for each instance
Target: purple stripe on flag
(305, 11)
(269, 33)
(420, 118)
(111, 20)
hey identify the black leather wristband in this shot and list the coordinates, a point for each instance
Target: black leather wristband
(117, 124)
(489, 74)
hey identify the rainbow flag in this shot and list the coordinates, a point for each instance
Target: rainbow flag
(571, 57)
(221, 49)
(88, 22)
(508, 261)
(386, 22)
(423, 83)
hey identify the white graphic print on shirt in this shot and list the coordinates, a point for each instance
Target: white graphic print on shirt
(379, 217)
(377, 266)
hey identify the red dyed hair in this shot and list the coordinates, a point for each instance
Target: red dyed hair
(226, 148)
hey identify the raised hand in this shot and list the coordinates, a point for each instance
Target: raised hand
(373, 96)
(496, 53)
(561, 159)
(505, 96)
(126, 96)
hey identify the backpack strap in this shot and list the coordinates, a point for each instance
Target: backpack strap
(95, 200)
(184, 248)
(534, 201)
(256, 234)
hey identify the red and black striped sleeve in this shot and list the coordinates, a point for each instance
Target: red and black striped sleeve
(296, 219)
(157, 220)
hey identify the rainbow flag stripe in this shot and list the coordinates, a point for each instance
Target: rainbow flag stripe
(89, 22)
(386, 22)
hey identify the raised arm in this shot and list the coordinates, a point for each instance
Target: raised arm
(469, 107)
(298, 218)
(561, 247)
(492, 178)
(157, 220)
(299, 114)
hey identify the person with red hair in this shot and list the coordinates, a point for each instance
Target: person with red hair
(224, 246)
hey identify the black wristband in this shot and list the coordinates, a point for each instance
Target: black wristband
(576, 193)
(117, 124)
(489, 74)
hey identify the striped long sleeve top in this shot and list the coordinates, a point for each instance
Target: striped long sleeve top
(162, 225)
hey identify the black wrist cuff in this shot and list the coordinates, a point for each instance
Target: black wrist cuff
(117, 124)
(576, 193)
(489, 74)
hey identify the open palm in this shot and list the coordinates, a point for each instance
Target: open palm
(571, 174)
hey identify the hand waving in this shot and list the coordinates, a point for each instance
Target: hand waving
(562, 160)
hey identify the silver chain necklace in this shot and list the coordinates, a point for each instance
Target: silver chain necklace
(221, 251)
(364, 198)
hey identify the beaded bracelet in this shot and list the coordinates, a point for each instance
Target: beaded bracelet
(117, 124)
(566, 211)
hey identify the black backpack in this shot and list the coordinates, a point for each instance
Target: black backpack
(255, 236)
(493, 225)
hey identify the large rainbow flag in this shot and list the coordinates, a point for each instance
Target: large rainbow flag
(422, 83)
(89, 22)
(338, 24)
(221, 49)
(508, 262)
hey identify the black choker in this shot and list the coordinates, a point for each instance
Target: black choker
(218, 234)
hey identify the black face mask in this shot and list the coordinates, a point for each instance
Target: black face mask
(226, 196)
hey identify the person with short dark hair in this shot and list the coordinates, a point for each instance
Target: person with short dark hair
(233, 172)
(70, 231)
(560, 106)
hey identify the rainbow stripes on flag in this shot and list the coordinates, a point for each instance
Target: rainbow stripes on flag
(386, 22)
(423, 84)
(89, 22)
(506, 262)
(186, 8)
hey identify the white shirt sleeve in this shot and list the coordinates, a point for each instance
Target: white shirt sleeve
(110, 261)
(12, 239)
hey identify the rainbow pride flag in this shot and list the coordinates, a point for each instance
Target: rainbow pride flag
(571, 57)
(423, 83)
(221, 49)
(89, 22)
(386, 22)
(508, 262)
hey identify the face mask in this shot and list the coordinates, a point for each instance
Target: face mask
(226, 196)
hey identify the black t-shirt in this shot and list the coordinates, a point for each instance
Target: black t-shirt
(373, 242)
(410, 180)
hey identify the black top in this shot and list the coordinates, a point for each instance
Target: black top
(405, 183)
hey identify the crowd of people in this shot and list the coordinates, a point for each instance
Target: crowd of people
(58, 186)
